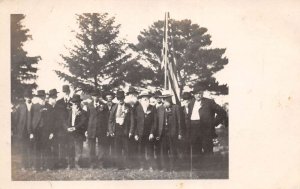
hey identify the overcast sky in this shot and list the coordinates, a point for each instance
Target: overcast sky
(51, 29)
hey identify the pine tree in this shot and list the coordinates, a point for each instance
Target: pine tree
(23, 67)
(197, 62)
(98, 56)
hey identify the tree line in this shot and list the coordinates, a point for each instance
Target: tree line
(98, 55)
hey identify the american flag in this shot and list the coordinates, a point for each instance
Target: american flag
(169, 62)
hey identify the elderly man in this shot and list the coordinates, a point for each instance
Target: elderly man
(23, 117)
(119, 123)
(204, 114)
(145, 116)
(97, 129)
(169, 131)
(75, 126)
(63, 106)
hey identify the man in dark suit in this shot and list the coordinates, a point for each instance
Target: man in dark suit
(108, 97)
(97, 130)
(119, 123)
(54, 120)
(63, 107)
(39, 131)
(145, 117)
(187, 97)
(204, 115)
(75, 126)
(168, 132)
(23, 117)
(132, 97)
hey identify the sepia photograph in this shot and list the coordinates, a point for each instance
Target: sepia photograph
(150, 94)
(108, 108)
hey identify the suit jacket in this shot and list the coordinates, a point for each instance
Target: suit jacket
(145, 122)
(81, 121)
(127, 120)
(175, 124)
(63, 109)
(39, 118)
(97, 120)
(208, 111)
(22, 124)
(54, 119)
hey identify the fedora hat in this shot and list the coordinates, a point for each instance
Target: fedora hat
(41, 93)
(53, 93)
(132, 90)
(76, 98)
(66, 88)
(120, 94)
(145, 94)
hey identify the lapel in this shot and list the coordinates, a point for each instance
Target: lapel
(114, 109)
(190, 107)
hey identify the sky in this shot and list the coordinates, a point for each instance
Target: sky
(51, 30)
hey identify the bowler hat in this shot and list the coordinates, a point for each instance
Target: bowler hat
(41, 93)
(120, 94)
(28, 94)
(76, 98)
(144, 94)
(66, 88)
(198, 88)
(53, 93)
(186, 96)
(132, 90)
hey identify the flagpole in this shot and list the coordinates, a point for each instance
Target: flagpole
(166, 50)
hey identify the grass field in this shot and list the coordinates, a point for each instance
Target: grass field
(212, 167)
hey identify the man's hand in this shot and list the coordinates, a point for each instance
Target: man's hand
(157, 138)
(31, 136)
(71, 129)
(151, 137)
(112, 134)
(179, 137)
(85, 134)
(130, 135)
(50, 136)
(136, 137)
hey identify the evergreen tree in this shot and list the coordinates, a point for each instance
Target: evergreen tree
(23, 67)
(196, 60)
(98, 56)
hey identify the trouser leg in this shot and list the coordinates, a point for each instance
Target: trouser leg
(92, 151)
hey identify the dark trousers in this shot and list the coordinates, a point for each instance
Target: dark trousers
(26, 149)
(120, 147)
(145, 152)
(201, 138)
(62, 150)
(99, 156)
(167, 151)
(132, 153)
(74, 152)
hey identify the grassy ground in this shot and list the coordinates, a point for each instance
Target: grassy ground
(212, 167)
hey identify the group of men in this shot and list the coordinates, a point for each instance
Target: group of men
(133, 134)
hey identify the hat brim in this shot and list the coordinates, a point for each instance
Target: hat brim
(165, 96)
(141, 96)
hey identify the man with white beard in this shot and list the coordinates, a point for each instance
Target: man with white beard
(145, 118)
(132, 99)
